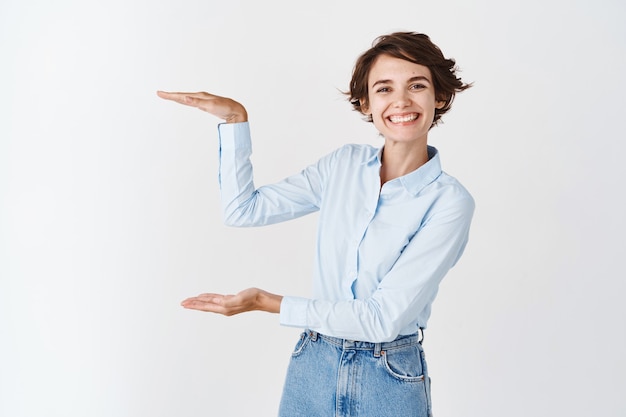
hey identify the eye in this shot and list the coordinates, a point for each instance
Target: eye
(417, 86)
(383, 90)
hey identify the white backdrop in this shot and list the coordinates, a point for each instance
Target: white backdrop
(109, 200)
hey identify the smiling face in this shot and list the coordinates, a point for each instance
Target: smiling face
(401, 100)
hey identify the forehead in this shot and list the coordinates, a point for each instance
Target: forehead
(387, 67)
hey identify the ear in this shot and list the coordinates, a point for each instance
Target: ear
(365, 108)
(439, 104)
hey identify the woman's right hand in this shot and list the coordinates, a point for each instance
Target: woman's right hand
(222, 107)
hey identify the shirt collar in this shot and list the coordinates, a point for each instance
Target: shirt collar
(375, 157)
(416, 180)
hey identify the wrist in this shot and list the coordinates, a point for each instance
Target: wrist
(239, 115)
(237, 118)
(269, 302)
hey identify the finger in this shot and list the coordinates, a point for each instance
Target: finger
(217, 298)
(182, 98)
(201, 94)
(170, 95)
(200, 301)
(188, 99)
(181, 95)
(203, 306)
(204, 298)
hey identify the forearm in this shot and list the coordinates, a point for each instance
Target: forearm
(364, 320)
(244, 205)
(402, 301)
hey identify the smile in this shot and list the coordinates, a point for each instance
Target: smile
(403, 119)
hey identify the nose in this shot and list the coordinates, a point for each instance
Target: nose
(402, 99)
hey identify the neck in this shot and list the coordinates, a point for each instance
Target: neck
(399, 159)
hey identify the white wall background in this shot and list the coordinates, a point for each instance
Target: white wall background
(109, 202)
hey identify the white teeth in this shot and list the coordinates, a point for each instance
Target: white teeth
(403, 119)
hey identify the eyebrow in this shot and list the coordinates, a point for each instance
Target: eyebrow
(412, 79)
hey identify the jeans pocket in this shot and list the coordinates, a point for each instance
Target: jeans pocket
(404, 364)
(301, 344)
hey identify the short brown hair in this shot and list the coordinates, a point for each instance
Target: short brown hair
(413, 47)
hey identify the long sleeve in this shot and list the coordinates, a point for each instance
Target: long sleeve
(405, 291)
(245, 205)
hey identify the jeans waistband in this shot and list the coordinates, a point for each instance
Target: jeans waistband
(400, 341)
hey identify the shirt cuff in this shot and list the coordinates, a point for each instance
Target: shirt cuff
(293, 312)
(234, 135)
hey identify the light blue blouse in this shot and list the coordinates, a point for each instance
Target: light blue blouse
(381, 252)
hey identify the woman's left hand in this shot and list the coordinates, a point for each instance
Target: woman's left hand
(250, 299)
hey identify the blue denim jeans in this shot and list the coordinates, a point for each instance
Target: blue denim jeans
(330, 377)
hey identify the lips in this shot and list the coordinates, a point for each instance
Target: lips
(405, 118)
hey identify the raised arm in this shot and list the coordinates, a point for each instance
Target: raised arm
(242, 203)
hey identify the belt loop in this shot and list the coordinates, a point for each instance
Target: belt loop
(313, 335)
(377, 348)
(421, 335)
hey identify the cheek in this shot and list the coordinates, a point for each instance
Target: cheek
(375, 109)
(377, 115)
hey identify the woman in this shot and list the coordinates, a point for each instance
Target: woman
(391, 225)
